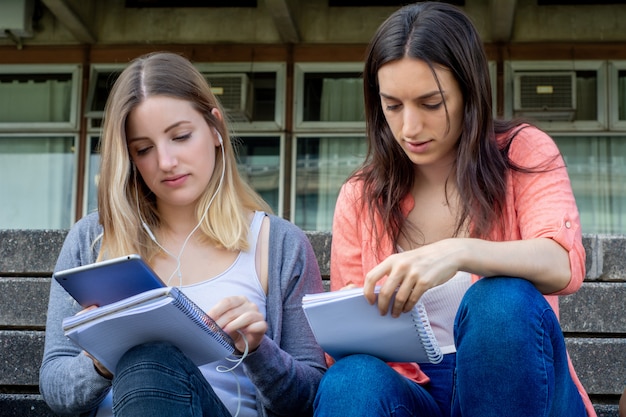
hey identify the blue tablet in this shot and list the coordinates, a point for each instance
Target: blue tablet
(106, 282)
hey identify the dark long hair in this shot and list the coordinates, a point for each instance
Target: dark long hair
(440, 35)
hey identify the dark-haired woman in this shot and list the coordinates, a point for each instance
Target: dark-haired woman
(474, 216)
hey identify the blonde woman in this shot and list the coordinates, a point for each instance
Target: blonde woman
(169, 190)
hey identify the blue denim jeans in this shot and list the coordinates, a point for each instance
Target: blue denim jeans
(511, 361)
(157, 379)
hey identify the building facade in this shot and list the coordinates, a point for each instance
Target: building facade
(289, 74)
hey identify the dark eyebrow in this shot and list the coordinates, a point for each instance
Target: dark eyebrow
(167, 129)
(422, 97)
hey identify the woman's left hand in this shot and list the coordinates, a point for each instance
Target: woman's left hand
(412, 273)
(238, 314)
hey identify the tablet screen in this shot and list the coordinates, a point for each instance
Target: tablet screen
(108, 281)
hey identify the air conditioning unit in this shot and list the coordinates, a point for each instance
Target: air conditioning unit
(16, 18)
(235, 92)
(545, 95)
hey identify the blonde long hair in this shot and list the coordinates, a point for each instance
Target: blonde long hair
(124, 199)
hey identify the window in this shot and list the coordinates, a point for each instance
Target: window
(329, 142)
(591, 133)
(258, 161)
(101, 81)
(39, 169)
(253, 96)
(37, 190)
(597, 170)
(36, 97)
(594, 149)
(329, 97)
(558, 95)
(493, 77)
(321, 166)
(92, 169)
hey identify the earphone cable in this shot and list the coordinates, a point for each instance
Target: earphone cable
(177, 270)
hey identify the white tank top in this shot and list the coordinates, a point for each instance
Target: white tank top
(240, 278)
(442, 303)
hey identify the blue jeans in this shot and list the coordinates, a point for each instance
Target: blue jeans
(157, 379)
(511, 361)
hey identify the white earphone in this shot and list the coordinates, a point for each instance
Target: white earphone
(177, 271)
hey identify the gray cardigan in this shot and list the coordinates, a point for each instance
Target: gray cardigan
(286, 368)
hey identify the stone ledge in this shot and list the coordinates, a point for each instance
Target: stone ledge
(586, 310)
(605, 257)
(320, 241)
(606, 410)
(24, 405)
(24, 302)
(27, 258)
(21, 356)
(30, 251)
(35, 252)
(31, 405)
(600, 363)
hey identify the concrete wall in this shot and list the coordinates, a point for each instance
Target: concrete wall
(111, 23)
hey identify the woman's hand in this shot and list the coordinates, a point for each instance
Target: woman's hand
(541, 261)
(97, 365)
(412, 273)
(238, 313)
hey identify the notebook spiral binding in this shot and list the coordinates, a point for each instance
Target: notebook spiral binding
(198, 315)
(422, 324)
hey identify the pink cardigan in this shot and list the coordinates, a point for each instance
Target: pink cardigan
(354, 253)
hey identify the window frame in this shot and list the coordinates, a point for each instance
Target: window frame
(206, 68)
(280, 68)
(72, 124)
(300, 71)
(94, 70)
(584, 136)
(282, 158)
(91, 136)
(74, 137)
(615, 123)
(294, 160)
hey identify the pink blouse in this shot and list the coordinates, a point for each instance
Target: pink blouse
(354, 253)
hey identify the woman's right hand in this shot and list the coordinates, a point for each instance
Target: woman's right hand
(241, 319)
(411, 273)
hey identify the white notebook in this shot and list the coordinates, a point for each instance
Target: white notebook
(345, 323)
(162, 314)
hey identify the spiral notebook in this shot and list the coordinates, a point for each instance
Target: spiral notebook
(161, 314)
(345, 323)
